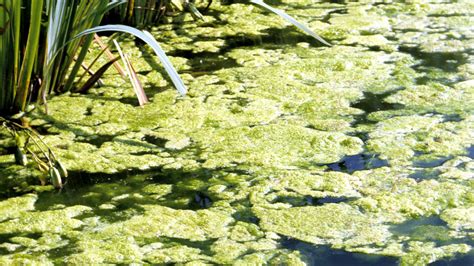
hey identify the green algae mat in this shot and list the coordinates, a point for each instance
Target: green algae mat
(284, 152)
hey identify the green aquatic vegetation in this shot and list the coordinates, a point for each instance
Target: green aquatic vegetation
(361, 21)
(344, 68)
(276, 145)
(400, 198)
(235, 18)
(21, 258)
(54, 221)
(261, 251)
(356, 22)
(460, 218)
(46, 242)
(376, 41)
(430, 31)
(437, 98)
(345, 226)
(156, 221)
(29, 75)
(417, 252)
(290, 19)
(399, 139)
(241, 209)
(336, 224)
(146, 13)
(114, 249)
(459, 167)
(13, 207)
(272, 258)
(300, 184)
(431, 233)
(176, 254)
(122, 245)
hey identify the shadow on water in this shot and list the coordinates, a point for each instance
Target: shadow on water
(352, 163)
(434, 162)
(448, 62)
(445, 64)
(205, 62)
(127, 190)
(372, 102)
(324, 255)
(311, 201)
(470, 152)
(425, 174)
(432, 229)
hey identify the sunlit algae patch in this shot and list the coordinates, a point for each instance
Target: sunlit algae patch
(246, 159)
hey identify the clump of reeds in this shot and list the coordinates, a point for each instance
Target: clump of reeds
(43, 44)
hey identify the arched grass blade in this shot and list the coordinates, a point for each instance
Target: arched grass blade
(148, 38)
(290, 19)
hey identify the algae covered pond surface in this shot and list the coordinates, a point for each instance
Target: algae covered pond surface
(283, 152)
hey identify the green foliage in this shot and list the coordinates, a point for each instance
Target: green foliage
(148, 38)
(43, 44)
(36, 51)
(146, 13)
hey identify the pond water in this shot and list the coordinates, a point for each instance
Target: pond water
(283, 152)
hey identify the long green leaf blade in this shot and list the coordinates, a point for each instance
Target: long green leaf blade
(290, 19)
(30, 55)
(148, 38)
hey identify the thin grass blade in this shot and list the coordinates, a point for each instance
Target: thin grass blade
(290, 19)
(148, 38)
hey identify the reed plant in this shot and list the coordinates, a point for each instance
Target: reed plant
(43, 44)
(146, 13)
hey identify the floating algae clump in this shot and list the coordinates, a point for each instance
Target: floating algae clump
(162, 221)
(438, 98)
(274, 145)
(113, 249)
(422, 253)
(13, 207)
(400, 139)
(459, 218)
(175, 254)
(398, 197)
(57, 221)
(336, 224)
